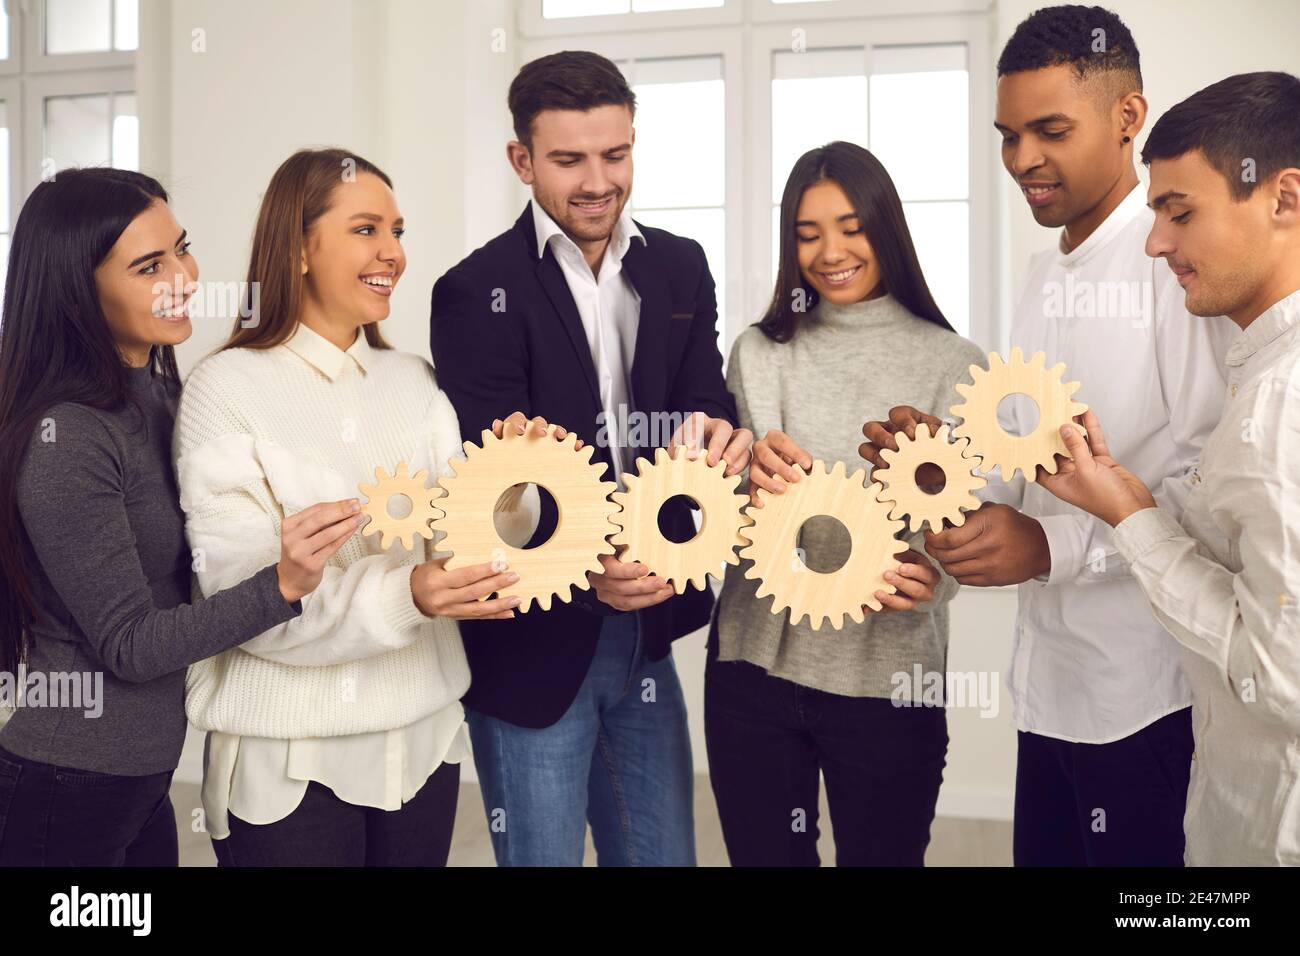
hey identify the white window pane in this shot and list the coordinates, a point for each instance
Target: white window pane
(77, 131)
(126, 24)
(4, 167)
(941, 234)
(4, 35)
(126, 132)
(78, 26)
(680, 152)
(814, 102)
(646, 6)
(556, 9)
(920, 132)
(708, 228)
(776, 240)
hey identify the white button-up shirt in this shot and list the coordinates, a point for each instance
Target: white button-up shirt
(610, 309)
(1089, 662)
(1225, 584)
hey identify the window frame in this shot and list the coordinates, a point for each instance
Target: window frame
(36, 60)
(746, 40)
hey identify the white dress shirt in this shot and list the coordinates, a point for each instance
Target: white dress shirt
(610, 310)
(1090, 663)
(1224, 583)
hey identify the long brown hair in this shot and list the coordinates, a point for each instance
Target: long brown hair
(300, 192)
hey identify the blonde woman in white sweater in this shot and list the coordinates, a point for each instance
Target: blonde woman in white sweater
(334, 738)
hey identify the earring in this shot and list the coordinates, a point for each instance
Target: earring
(1126, 139)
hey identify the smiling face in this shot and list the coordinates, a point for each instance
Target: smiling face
(580, 169)
(145, 284)
(1060, 145)
(835, 256)
(1222, 251)
(353, 255)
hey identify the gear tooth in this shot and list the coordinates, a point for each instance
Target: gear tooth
(486, 436)
(922, 432)
(1039, 361)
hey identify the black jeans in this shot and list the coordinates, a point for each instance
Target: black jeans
(327, 831)
(767, 740)
(1115, 804)
(58, 816)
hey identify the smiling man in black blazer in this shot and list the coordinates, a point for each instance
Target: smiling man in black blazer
(579, 316)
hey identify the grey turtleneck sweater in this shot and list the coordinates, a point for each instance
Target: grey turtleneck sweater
(97, 497)
(846, 365)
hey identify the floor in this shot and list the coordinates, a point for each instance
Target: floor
(953, 842)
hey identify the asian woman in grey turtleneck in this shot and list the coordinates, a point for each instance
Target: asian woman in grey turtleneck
(96, 628)
(783, 702)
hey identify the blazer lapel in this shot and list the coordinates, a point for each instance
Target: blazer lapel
(649, 363)
(552, 281)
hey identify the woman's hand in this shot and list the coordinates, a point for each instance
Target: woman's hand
(915, 579)
(520, 423)
(1092, 480)
(777, 461)
(438, 592)
(308, 539)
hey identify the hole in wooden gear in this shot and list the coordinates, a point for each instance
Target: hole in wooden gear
(824, 544)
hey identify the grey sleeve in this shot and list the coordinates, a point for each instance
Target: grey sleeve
(72, 504)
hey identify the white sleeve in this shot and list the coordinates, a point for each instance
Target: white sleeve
(1246, 623)
(235, 492)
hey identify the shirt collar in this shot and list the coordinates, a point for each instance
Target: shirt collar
(545, 227)
(1130, 207)
(1274, 321)
(324, 355)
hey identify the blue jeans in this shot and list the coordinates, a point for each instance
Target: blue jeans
(619, 758)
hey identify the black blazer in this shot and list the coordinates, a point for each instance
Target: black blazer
(506, 336)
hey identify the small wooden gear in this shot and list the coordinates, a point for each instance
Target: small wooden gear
(898, 478)
(997, 447)
(721, 515)
(390, 529)
(580, 496)
(774, 539)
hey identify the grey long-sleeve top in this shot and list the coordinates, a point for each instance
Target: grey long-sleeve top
(846, 365)
(98, 500)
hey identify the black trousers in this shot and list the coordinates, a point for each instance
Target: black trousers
(327, 831)
(59, 816)
(1115, 804)
(767, 740)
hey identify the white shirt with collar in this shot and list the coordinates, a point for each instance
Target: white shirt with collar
(1223, 581)
(610, 309)
(361, 693)
(1090, 663)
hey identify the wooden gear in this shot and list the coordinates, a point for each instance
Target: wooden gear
(999, 448)
(580, 496)
(774, 538)
(898, 476)
(390, 529)
(720, 511)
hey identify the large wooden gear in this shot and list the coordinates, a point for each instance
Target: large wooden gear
(1056, 407)
(898, 477)
(774, 537)
(580, 495)
(414, 525)
(721, 517)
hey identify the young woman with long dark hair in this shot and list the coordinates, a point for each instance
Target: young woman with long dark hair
(95, 626)
(852, 326)
(334, 738)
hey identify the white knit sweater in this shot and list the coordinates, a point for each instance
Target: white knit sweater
(261, 434)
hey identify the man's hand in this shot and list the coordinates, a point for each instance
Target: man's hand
(915, 579)
(880, 435)
(630, 586)
(997, 545)
(717, 437)
(520, 423)
(777, 460)
(1092, 480)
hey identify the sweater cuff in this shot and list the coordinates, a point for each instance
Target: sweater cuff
(1143, 530)
(274, 610)
(397, 601)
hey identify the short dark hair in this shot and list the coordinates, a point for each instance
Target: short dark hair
(1247, 117)
(570, 80)
(1093, 40)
